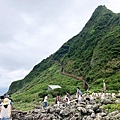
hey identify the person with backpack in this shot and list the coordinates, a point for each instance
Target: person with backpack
(79, 95)
(79, 92)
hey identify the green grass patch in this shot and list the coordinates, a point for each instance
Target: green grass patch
(111, 107)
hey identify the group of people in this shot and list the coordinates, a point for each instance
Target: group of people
(57, 100)
(66, 99)
(6, 103)
(5, 107)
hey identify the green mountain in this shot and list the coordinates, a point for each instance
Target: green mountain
(89, 57)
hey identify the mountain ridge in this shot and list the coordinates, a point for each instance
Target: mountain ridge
(94, 54)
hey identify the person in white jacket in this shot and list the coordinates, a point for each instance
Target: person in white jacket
(45, 102)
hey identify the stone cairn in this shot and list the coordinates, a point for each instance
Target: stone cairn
(88, 108)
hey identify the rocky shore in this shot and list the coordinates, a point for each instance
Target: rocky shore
(87, 109)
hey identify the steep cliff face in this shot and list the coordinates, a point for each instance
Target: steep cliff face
(94, 53)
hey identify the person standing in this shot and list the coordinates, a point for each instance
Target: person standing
(6, 110)
(58, 98)
(79, 93)
(45, 102)
(104, 86)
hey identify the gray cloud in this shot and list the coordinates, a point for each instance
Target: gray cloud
(31, 30)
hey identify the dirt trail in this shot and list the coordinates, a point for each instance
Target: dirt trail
(85, 84)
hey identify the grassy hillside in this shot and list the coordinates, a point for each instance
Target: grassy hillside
(97, 44)
(35, 90)
(94, 54)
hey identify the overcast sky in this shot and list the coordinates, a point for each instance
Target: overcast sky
(31, 30)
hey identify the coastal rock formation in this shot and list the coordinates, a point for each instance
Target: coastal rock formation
(85, 110)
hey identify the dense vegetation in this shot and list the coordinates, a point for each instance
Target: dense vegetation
(94, 54)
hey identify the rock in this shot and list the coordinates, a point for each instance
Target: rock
(98, 116)
(50, 110)
(66, 112)
(90, 111)
(118, 96)
(57, 110)
(82, 110)
(76, 111)
(28, 117)
(117, 101)
(89, 106)
(106, 101)
(113, 113)
(93, 115)
(117, 116)
(73, 118)
(89, 118)
(96, 106)
(103, 114)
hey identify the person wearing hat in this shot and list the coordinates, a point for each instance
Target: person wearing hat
(6, 110)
